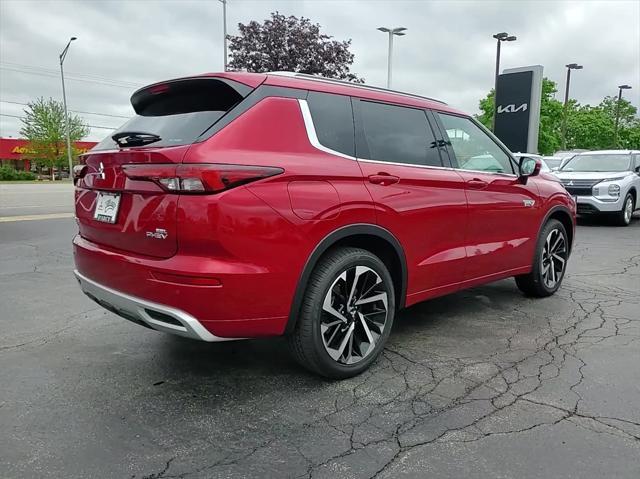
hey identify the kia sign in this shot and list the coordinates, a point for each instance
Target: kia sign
(518, 108)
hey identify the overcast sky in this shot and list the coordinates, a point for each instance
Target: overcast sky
(448, 52)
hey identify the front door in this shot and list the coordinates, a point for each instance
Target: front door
(504, 213)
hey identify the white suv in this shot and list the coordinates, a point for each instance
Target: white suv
(605, 181)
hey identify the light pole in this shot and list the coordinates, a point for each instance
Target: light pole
(224, 30)
(500, 37)
(391, 31)
(615, 131)
(66, 114)
(570, 66)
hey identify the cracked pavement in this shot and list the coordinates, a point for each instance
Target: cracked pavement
(482, 383)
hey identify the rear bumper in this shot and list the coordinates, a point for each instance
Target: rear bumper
(146, 313)
(135, 288)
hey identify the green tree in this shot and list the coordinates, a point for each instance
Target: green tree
(549, 137)
(593, 127)
(290, 44)
(45, 129)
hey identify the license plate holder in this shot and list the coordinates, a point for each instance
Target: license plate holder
(107, 206)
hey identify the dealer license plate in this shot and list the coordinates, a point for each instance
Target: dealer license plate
(107, 205)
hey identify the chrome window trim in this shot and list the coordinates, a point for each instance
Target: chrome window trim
(311, 132)
(410, 165)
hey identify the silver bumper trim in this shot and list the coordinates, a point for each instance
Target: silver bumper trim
(141, 311)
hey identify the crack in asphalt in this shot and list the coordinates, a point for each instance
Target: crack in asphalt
(517, 373)
(419, 393)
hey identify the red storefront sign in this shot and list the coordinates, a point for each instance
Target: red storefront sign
(16, 148)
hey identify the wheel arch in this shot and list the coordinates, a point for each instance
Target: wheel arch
(373, 238)
(563, 215)
(636, 200)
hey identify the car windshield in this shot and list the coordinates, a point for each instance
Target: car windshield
(598, 163)
(553, 162)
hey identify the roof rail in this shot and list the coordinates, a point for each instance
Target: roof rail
(307, 76)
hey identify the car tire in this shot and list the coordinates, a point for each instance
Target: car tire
(623, 217)
(346, 314)
(549, 264)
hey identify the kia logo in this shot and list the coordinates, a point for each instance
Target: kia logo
(512, 108)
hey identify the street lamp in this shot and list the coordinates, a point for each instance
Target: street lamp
(570, 66)
(615, 134)
(500, 37)
(391, 31)
(224, 30)
(66, 114)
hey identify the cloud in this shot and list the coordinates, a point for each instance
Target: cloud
(448, 52)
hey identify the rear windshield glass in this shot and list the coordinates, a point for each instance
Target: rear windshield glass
(613, 162)
(180, 111)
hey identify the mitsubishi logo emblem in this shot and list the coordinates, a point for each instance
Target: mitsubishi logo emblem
(101, 171)
(570, 183)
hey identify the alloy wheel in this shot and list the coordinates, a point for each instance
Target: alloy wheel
(628, 210)
(354, 314)
(554, 258)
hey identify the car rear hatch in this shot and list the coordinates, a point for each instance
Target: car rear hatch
(120, 201)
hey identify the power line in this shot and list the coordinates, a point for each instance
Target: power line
(75, 74)
(75, 111)
(90, 126)
(53, 75)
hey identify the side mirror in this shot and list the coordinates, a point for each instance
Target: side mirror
(529, 167)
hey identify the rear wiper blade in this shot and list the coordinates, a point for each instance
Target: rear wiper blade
(135, 138)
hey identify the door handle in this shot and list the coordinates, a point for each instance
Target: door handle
(383, 179)
(477, 184)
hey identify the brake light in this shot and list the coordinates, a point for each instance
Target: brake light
(198, 178)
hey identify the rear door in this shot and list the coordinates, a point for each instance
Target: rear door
(504, 213)
(417, 197)
(134, 213)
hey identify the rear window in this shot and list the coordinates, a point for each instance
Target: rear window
(179, 111)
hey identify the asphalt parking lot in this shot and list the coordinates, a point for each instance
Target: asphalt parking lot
(483, 383)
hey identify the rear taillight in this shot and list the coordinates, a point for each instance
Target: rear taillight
(198, 178)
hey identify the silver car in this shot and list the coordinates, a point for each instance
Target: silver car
(604, 182)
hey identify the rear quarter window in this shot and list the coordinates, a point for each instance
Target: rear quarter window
(333, 121)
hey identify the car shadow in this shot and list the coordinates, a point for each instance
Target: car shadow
(602, 220)
(268, 357)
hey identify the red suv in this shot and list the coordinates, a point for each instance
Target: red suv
(238, 205)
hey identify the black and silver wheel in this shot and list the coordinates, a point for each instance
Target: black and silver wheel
(550, 262)
(346, 314)
(624, 216)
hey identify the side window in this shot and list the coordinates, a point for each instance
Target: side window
(636, 166)
(473, 148)
(396, 134)
(333, 120)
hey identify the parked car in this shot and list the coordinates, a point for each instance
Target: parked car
(543, 164)
(553, 162)
(604, 182)
(240, 205)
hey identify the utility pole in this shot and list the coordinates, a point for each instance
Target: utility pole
(391, 31)
(570, 66)
(615, 131)
(224, 30)
(500, 37)
(66, 114)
